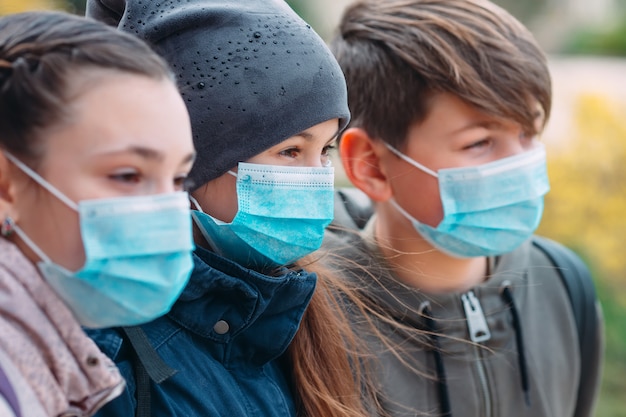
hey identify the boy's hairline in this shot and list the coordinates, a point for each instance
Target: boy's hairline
(497, 108)
(416, 121)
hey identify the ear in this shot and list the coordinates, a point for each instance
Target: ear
(7, 190)
(360, 156)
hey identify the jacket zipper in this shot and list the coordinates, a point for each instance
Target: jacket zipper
(482, 378)
(479, 333)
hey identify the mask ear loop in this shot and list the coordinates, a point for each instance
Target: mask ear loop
(411, 161)
(9, 224)
(45, 184)
(195, 203)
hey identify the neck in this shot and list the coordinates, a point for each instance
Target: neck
(416, 263)
(198, 238)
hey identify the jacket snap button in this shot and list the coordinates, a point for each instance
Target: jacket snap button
(221, 327)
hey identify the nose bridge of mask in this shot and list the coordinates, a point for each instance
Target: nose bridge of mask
(412, 161)
(285, 191)
(499, 183)
(45, 184)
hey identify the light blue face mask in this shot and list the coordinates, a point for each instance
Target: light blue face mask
(488, 209)
(282, 214)
(138, 256)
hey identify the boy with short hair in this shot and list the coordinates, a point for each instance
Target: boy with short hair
(447, 100)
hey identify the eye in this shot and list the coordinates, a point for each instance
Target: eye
(181, 182)
(127, 177)
(325, 156)
(479, 144)
(327, 149)
(290, 152)
(528, 136)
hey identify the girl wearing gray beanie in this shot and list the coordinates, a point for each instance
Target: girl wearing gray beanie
(249, 335)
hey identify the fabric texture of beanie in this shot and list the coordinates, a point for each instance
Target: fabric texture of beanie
(251, 72)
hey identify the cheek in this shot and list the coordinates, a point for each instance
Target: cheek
(55, 229)
(71, 251)
(218, 198)
(418, 194)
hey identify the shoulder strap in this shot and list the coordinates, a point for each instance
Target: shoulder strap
(581, 291)
(148, 366)
(7, 391)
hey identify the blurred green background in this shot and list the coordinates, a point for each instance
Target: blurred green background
(586, 140)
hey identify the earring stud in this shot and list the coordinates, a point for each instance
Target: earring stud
(7, 229)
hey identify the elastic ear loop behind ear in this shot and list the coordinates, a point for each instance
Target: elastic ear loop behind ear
(195, 203)
(9, 226)
(39, 180)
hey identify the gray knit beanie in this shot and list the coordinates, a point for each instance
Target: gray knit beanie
(252, 72)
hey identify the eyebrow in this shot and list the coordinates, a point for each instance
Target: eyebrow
(309, 137)
(148, 153)
(482, 123)
(305, 135)
(489, 124)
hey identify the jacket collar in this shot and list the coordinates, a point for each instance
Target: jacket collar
(405, 302)
(255, 314)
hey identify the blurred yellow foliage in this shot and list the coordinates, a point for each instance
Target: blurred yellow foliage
(16, 6)
(586, 206)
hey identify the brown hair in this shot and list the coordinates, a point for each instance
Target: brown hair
(41, 56)
(335, 367)
(330, 363)
(396, 54)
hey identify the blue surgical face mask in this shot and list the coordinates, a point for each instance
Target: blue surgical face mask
(488, 209)
(138, 257)
(282, 214)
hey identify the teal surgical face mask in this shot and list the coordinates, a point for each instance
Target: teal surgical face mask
(138, 256)
(488, 209)
(283, 212)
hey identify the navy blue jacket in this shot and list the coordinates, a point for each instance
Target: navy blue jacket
(225, 336)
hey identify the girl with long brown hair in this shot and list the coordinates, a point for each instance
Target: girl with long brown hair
(267, 100)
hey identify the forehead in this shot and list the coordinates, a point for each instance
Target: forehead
(117, 110)
(446, 112)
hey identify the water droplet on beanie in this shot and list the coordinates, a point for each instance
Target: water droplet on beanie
(224, 76)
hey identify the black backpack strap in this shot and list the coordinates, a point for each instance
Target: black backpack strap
(7, 391)
(148, 366)
(582, 294)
